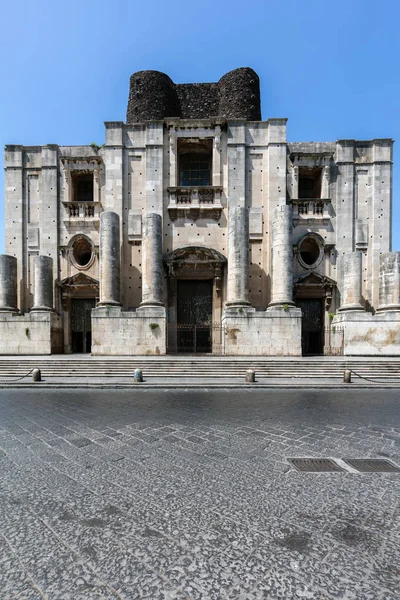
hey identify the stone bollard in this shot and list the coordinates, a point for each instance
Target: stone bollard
(36, 375)
(347, 376)
(250, 376)
(138, 376)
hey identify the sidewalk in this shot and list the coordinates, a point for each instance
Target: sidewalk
(198, 383)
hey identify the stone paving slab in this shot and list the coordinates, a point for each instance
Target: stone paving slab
(188, 494)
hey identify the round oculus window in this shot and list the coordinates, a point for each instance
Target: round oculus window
(310, 251)
(82, 252)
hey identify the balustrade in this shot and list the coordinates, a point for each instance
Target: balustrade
(311, 209)
(81, 211)
(195, 200)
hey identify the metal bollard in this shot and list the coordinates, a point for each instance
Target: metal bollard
(347, 376)
(250, 376)
(36, 375)
(138, 376)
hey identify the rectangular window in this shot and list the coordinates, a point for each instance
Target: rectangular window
(195, 159)
(310, 182)
(82, 187)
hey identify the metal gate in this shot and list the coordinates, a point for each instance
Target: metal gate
(193, 331)
(81, 324)
(334, 341)
(199, 338)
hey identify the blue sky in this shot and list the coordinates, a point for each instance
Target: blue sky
(332, 68)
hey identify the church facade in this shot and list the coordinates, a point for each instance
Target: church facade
(197, 228)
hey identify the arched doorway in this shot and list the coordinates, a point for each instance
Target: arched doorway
(194, 300)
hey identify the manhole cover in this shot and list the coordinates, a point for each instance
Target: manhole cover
(314, 465)
(372, 465)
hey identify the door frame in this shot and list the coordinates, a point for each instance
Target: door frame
(80, 287)
(84, 342)
(195, 263)
(313, 286)
(321, 330)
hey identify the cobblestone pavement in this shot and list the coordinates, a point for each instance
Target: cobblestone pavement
(176, 495)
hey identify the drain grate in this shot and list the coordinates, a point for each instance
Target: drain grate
(315, 465)
(372, 465)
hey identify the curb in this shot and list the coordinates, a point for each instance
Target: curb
(199, 386)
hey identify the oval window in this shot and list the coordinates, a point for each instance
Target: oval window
(82, 251)
(309, 251)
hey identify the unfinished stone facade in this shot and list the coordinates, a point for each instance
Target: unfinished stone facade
(198, 228)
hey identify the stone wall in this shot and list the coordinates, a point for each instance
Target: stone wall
(116, 332)
(272, 333)
(370, 335)
(32, 333)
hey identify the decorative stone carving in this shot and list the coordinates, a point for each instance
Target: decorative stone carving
(194, 255)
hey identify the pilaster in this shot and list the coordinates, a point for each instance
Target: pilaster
(14, 215)
(216, 165)
(381, 210)
(154, 167)
(236, 157)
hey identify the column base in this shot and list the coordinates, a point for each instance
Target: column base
(108, 303)
(151, 303)
(284, 308)
(388, 308)
(352, 308)
(284, 303)
(42, 309)
(237, 303)
(238, 307)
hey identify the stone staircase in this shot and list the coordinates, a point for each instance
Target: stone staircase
(202, 367)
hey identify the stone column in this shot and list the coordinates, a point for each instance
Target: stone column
(42, 283)
(109, 259)
(351, 275)
(152, 264)
(8, 283)
(238, 257)
(282, 256)
(389, 281)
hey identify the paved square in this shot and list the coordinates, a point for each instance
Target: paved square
(176, 495)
